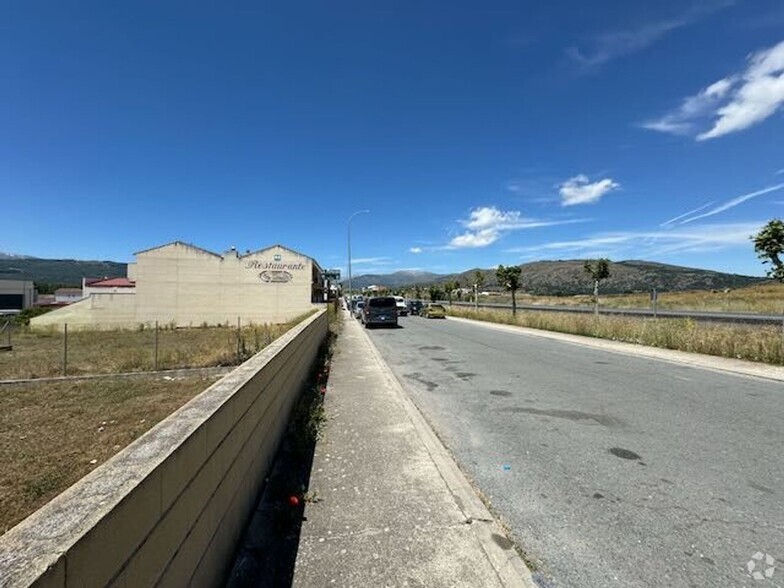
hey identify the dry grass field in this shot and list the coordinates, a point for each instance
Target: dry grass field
(39, 354)
(53, 433)
(754, 343)
(767, 298)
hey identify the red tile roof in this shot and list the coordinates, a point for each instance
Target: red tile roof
(112, 283)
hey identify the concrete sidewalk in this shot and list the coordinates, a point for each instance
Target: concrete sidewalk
(389, 506)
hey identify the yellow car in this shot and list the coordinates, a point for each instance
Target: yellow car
(433, 311)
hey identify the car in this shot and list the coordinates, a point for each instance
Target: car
(402, 309)
(414, 306)
(433, 311)
(380, 310)
(358, 306)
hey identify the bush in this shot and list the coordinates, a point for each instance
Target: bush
(23, 318)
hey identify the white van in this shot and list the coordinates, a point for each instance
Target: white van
(402, 308)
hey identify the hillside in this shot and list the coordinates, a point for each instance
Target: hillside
(65, 272)
(568, 278)
(395, 280)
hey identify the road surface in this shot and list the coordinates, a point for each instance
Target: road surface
(610, 470)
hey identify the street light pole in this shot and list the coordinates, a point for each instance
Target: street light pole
(350, 289)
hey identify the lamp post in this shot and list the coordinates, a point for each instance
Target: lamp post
(350, 289)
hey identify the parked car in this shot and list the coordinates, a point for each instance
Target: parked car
(380, 310)
(433, 311)
(358, 306)
(402, 309)
(414, 306)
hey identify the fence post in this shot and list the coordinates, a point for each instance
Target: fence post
(655, 299)
(239, 337)
(155, 353)
(65, 349)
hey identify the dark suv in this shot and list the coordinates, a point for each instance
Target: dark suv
(414, 306)
(380, 310)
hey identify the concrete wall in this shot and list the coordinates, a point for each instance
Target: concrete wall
(99, 311)
(170, 509)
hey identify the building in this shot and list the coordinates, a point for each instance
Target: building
(16, 295)
(183, 285)
(92, 286)
(67, 295)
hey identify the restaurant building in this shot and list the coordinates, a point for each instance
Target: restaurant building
(182, 285)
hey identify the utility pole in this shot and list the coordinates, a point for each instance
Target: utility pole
(350, 288)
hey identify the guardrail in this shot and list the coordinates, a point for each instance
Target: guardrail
(170, 508)
(724, 317)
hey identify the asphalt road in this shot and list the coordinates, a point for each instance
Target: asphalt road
(610, 470)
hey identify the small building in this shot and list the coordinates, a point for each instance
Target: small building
(16, 295)
(67, 295)
(92, 286)
(180, 284)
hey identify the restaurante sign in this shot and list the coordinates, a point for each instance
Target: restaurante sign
(271, 265)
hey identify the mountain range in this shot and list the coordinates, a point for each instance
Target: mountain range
(539, 277)
(61, 272)
(569, 277)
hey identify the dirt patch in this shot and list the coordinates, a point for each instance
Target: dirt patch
(54, 433)
(39, 354)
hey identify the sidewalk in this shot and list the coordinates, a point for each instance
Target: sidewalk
(389, 506)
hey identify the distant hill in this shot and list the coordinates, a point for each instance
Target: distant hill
(65, 272)
(568, 278)
(394, 280)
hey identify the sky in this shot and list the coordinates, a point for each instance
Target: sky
(475, 133)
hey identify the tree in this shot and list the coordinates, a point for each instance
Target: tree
(769, 247)
(599, 270)
(479, 281)
(448, 289)
(417, 292)
(435, 293)
(509, 278)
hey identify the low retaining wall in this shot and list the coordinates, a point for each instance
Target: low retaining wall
(170, 508)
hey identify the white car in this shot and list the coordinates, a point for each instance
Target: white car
(400, 304)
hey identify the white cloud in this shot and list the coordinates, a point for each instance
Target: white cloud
(372, 260)
(580, 190)
(734, 103)
(646, 244)
(682, 120)
(415, 250)
(726, 205)
(470, 240)
(685, 214)
(487, 224)
(609, 46)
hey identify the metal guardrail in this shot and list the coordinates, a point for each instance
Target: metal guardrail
(722, 317)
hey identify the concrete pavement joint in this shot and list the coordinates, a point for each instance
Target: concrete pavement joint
(507, 563)
(709, 362)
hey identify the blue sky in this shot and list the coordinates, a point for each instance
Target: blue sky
(477, 133)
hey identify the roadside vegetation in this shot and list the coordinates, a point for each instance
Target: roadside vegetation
(54, 433)
(40, 354)
(765, 298)
(754, 343)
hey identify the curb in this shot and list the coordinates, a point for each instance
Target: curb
(507, 563)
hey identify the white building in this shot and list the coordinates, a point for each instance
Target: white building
(183, 285)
